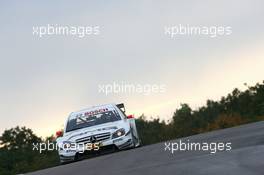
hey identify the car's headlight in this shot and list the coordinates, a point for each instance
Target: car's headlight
(118, 133)
(67, 144)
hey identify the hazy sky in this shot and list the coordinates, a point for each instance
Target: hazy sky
(43, 79)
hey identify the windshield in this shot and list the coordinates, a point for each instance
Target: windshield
(91, 119)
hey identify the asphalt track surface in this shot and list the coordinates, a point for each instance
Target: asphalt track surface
(245, 158)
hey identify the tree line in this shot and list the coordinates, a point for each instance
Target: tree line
(238, 107)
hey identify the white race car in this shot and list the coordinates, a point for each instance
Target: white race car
(96, 130)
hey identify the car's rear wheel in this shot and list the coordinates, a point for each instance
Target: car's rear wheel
(135, 140)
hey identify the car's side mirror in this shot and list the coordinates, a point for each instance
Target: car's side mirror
(130, 116)
(59, 134)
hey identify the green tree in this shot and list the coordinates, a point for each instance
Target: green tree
(183, 121)
(17, 155)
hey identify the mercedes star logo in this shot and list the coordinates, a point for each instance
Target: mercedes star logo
(93, 139)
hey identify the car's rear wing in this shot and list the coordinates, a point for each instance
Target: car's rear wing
(121, 106)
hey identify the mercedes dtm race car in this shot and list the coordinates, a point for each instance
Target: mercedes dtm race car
(96, 130)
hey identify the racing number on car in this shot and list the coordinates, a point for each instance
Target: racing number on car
(93, 146)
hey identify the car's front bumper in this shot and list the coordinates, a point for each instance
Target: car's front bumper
(106, 146)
